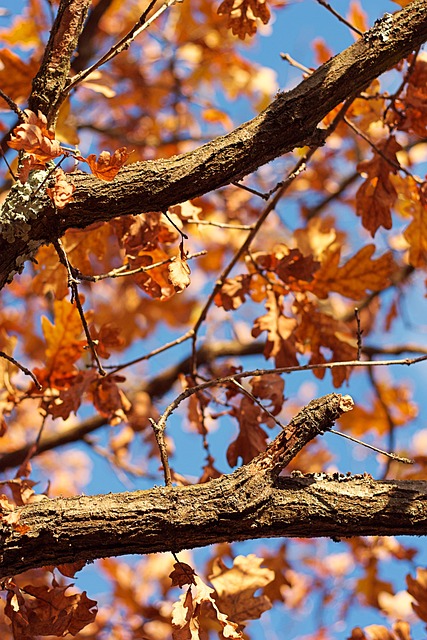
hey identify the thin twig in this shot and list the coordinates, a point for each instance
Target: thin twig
(13, 106)
(380, 152)
(392, 456)
(299, 167)
(75, 297)
(22, 471)
(295, 63)
(22, 368)
(120, 46)
(359, 333)
(264, 196)
(222, 225)
(340, 17)
(260, 372)
(159, 434)
(121, 272)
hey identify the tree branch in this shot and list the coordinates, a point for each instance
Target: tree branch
(250, 503)
(290, 121)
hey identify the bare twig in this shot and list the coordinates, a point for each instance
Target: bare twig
(299, 167)
(359, 332)
(22, 368)
(75, 297)
(120, 46)
(340, 17)
(392, 456)
(295, 63)
(260, 372)
(221, 225)
(13, 105)
(159, 433)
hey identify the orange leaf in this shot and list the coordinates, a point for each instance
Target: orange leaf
(48, 611)
(33, 137)
(64, 344)
(242, 15)
(236, 587)
(252, 438)
(356, 277)
(376, 196)
(107, 166)
(413, 201)
(16, 75)
(233, 292)
(417, 588)
(62, 193)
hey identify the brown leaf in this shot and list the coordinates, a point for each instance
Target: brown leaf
(242, 15)
(62, 193)
(280, 343)
(41, 610)
(376, 196)
(110, 400)
(188, 611)
(269, 387)
(356, 277)
(179, 274)
(34, 138)
(233, 292)
(252, 438)
(236, 587)
(107, 166)
(413, 202)
(414, 103)
(417, 588)
(182, 574)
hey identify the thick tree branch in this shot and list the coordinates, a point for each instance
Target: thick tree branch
(248, 504)
(234, 507)
(289, 121)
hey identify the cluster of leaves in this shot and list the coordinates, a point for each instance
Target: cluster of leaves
(295, 288)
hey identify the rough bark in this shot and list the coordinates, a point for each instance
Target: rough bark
(249, 503)
(290, 121)
(236, 507)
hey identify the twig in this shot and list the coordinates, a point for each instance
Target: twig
(264, 196)
(22, 368)
(75, 297)
(380, 152)
(359, 333)
(222, 225)
(340, 17)
(120, 46)
(295, 63)
(159, 433)
(13, 105)
(32, 450)
(120, 272)
(260, 372)
(299, 167)
(154, 352)
(392, 456)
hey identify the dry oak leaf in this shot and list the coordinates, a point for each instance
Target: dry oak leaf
(356, 277)
(417, 588)
(62, 193)
(233, 292)
(269, 387)
(179, 274)
(64, 344)
(377, 195)
(47, 611)
(242, 15)
(107, 166)
(236, 587)
(280, 343)
(16, 75)
(33, 137)
(196, 603)
(251, 439)
(413, 201)
(414, 104)
(401, 631)
(110, 400)
(182, 574)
